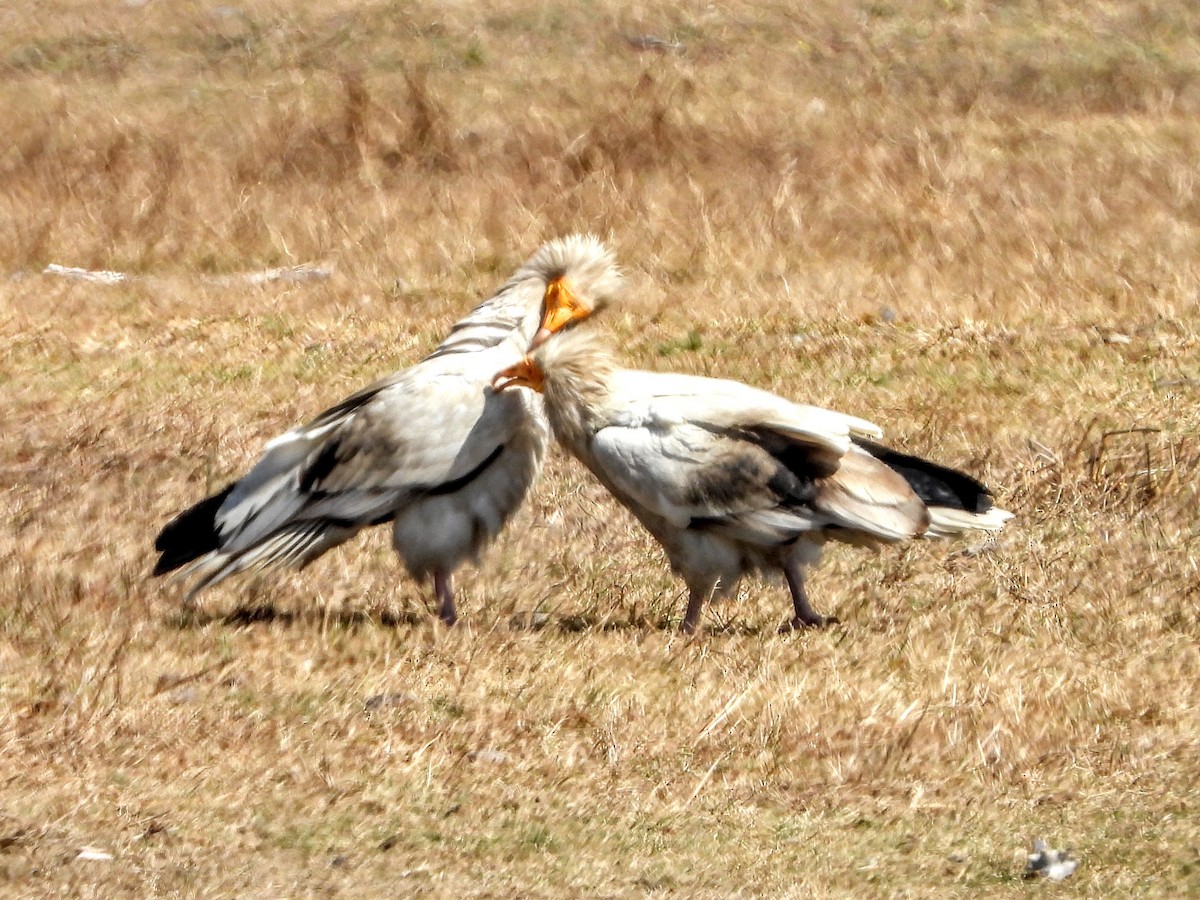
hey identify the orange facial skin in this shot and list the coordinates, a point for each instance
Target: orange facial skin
(526, 373)
(562, 308)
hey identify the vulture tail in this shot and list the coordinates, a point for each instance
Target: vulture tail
(946, 522)
(957, 502)
(190, 535)
(292, 547)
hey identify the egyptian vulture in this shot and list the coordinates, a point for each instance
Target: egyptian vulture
(732, 480)
(431, 450)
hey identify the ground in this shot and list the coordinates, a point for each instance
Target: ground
(974, 223)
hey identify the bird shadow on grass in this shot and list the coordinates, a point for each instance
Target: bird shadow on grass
(578, 623)
(265, 613)
(247, 615)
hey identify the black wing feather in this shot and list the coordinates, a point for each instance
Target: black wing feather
(935, 484)
(191, 534)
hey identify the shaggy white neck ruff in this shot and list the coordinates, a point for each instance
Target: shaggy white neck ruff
(515, 310)
(577, 385)
(514, 313)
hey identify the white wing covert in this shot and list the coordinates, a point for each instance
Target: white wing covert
(357, 462)
(666, 398)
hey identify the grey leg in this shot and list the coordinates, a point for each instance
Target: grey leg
(696, 598)
(806, 616)
(443, 587)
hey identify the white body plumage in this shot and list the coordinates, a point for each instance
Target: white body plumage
(731, 479)
(431, 449)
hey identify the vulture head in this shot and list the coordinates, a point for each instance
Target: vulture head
(574, 372)
(581, 277)
(580, 362)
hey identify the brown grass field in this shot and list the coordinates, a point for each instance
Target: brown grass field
(976, 223)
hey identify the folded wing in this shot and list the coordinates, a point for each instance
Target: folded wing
(717, 454)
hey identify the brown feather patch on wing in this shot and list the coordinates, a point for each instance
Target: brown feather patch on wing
(867, 496)
(737, 477)
(806, 460)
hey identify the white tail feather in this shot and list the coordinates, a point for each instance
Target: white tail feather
(946, 522)
(291, 548)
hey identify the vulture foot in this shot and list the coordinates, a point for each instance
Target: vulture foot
(797, 624)
(443, 587)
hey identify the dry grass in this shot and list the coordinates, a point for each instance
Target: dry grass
(975, 223)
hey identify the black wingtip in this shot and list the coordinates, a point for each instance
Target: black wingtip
(935, 484)
(190, 535)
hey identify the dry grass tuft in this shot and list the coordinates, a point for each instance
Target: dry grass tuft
(976, 224)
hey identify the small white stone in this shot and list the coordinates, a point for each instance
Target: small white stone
(531, 620)
(496, 757)
(384, 701)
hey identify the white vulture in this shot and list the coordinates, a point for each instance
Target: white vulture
(431, 449)
(732, 480)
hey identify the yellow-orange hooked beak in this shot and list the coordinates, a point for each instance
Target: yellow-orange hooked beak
(526, 373)
(561, 309)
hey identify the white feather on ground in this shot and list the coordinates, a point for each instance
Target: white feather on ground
(431, 449)
(732, 480)
(1046, 862)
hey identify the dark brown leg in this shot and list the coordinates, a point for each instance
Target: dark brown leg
(696, 598)
(806, 616)
(443, 587)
